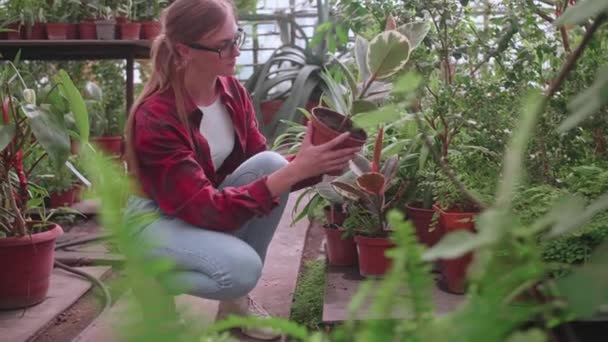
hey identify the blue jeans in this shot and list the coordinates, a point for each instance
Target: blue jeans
(212, 264)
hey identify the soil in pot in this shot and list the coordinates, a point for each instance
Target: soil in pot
(340, 252)
(25, 276)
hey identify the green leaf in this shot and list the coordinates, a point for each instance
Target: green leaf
(326, 191)
(415, 32)
(530, 335)
(387, 53)
(7, 133)
(76, 103)
(381, 115)
(453, 245)
(587, 102)
(361, 47)
(566, 223)
(49, 132)
(581, 12)
(514, 157)
(407, 83)
(362, 106)
(585, 288)
(348, 191)
(360, 165)
(394, 148)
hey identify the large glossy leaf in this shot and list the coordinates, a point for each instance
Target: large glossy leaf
(373, 183)
(7, 133)
(415, 32)
(363, 106)
(582, 11)
(380, 116)
(49, 132)
(588, 102)
(361, 47)
(390, 167)
(348, 191)
(360, 165)
(76, 103)
(387, 53)
(326, 191)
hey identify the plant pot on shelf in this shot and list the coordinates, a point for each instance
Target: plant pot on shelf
(455, 270)
(110, 145)
(57, 31)
(372, 259)
(150, 29)
(130, 31)
(423, 222)
(17, 31)
(87, 30)
(36, 32)
(62, 199)
(326, 126)
(72, 31)
(340, 252)
(106, 29)
(24, 281)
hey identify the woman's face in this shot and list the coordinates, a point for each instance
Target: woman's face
(216, 52)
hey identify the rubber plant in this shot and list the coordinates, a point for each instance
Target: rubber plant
(29, 124)
(368, 192)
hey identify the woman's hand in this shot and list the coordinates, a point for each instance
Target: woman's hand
(314, 160)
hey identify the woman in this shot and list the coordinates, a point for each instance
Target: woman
(193, 144)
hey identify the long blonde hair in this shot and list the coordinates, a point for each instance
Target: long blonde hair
(184, 21)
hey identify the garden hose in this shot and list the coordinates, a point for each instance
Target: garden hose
(104, 289)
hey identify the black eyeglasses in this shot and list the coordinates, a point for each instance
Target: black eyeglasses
(226, 50)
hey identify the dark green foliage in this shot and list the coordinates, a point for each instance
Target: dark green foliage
(307, 307)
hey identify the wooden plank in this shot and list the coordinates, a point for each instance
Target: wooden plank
(341, 285)
(65, 289)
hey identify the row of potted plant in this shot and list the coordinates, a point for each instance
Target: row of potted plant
(81, 19)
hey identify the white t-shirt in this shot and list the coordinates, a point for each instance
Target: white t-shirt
(216, 126)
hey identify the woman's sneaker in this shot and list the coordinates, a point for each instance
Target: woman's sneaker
(247, 306)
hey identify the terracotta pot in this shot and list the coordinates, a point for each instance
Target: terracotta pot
(37, 32)
(72, 31)
(455, 270)
(87, 30)
(110, 145)
(150, 29)
(372, 260)
(325, 124)
(422, 220)
(62, 199)
(24, 278)
(57, 31)
(130, 31)
(16, 32)
(340, 252)
(106, 29)
(337, 216)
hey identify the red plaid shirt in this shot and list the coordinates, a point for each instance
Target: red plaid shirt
(176, 168)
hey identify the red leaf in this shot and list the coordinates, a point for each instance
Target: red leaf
(378, 151)
(372, 183)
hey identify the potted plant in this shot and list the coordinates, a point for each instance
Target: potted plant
(129, 30)
(368, 194)
(87, 13)
(105, 22)
(379, 59)
(148, 15)
(57, 13)
(105, 124)
(27, 124)
(59, 182)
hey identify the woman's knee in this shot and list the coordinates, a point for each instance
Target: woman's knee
(245, 271)
(270, 161)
